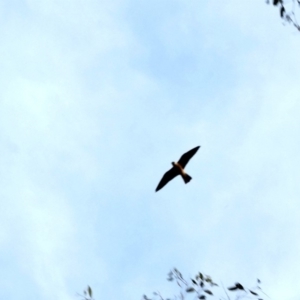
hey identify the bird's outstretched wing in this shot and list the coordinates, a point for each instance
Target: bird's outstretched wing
(184, 159)
(169, 175)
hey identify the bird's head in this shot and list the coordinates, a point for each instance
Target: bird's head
(173, 163)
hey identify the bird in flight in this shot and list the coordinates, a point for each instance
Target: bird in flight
(178, 169)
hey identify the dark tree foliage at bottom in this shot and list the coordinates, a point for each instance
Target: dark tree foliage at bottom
(203, 287)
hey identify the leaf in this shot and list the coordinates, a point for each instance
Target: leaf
(258, 281)
(253, 293)
(201, 276)
(234, 288)
(202, 297)
(202, 284)
(275, 2)
(90, 291)
(190, 289)
(170, 279)
(282, 11)
(208, 292)
(194, 281)
(239, 286)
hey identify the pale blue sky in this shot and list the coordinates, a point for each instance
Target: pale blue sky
(98, 97)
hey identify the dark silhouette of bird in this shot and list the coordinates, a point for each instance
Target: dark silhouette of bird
(178, 169)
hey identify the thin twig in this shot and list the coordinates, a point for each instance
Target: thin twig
(225, 291)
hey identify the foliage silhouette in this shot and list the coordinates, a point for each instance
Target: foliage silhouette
(287, 10)
(201, 287)
(87, 294)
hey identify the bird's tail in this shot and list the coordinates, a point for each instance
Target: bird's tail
(187, 178)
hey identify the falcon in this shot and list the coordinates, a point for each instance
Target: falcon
(178, 169)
